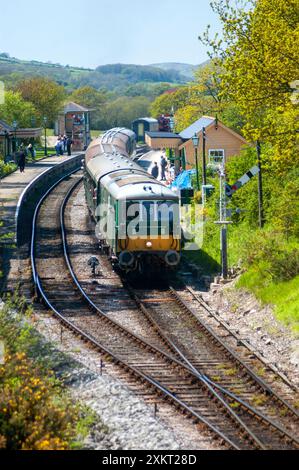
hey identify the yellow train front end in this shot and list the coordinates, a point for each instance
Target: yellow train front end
(149, 238)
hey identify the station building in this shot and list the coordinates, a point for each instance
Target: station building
(74, 122)
(10, 137)
(221, 142)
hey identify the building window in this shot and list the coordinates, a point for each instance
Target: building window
(216, 156)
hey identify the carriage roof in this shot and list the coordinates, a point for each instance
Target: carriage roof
(125, 179)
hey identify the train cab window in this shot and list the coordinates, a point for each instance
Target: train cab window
(151, 217)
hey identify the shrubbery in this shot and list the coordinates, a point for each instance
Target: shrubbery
(272, 255)
(269, 255)
(6, 168)
(35, 411)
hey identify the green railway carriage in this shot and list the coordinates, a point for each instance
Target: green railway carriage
(137, 216)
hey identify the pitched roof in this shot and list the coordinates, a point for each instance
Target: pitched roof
(20, 132)
(165, 135)
(5, 127)
(72, 107)
(196, 127)
(147, 119)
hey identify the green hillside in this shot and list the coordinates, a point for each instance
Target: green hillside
(115, 77)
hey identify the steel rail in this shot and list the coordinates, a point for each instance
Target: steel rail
(173, 346)
(233, 354)
(139, 338)
(209, 384)
(190, 369)
(86, 336)
(241, 341)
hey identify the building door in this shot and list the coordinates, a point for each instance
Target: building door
(141, 131)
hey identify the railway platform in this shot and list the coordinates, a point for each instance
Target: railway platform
(18, 194)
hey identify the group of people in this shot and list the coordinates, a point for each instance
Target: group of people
(167, 172)
(163, 166)
(63, 144)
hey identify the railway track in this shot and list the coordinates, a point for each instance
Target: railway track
(206, 353)
(164, 368)
(257, 361)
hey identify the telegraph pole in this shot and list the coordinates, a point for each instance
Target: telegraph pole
(260, 185)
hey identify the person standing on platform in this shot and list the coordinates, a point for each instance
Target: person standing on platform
(64, 143)
(57, 147)
(69, 146)
(61, 146)
(22, 160)
(155, 170)
(30, 149)
(163, 168)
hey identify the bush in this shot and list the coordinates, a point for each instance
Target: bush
(35, 411)
(272, 255)
(6, 168)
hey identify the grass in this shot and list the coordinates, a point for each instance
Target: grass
(259, 400)
(284, 296)
(259, 278)
(234, 404)
(41, 153)
(95, 133)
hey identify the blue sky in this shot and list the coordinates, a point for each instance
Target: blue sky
(95, 32)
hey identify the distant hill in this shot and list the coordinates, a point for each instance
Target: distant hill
(185, 70)
(114, 77)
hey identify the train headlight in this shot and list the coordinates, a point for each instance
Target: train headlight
(149, 244)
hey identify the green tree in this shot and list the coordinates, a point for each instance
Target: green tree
(15, 108)
(260, 57)
(89, 97)
(45, 94)
(93, 99)
(163, 104)
(123, 110)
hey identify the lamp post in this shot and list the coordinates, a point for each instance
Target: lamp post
(204, 173)
(195, 140)
(171, 126)
(6, 143)
(45, 119)
(15, 126)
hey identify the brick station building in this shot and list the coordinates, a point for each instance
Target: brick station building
(221, 142)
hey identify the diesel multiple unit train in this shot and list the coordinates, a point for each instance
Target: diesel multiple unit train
(137, 217)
